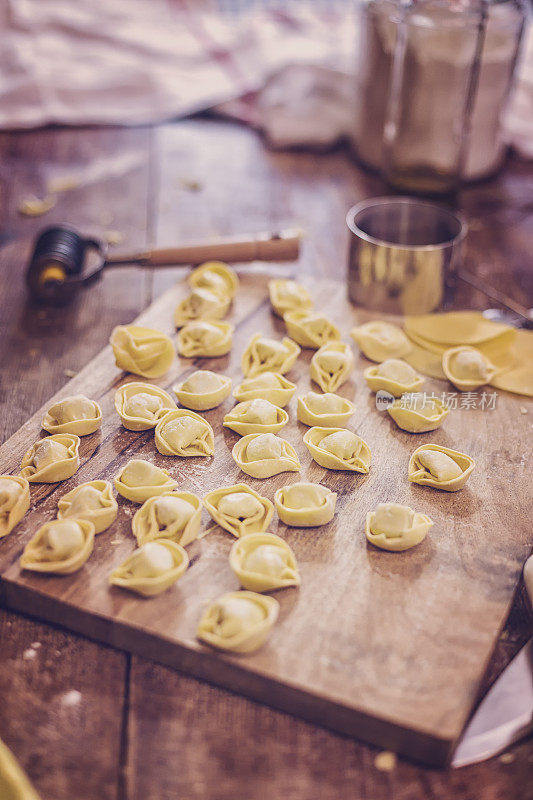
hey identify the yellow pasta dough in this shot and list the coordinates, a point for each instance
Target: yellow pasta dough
(203, 390)
(93, 501)
(14, 783)
(418, 412)
(310, 330)
(76, 414)
(61, 546)
(172, 515)
(269, 386)
(238, 622)
(395, 527)
(207, 339)
(454, 328)
(140, 406)
(305, 505)
(380, 340)
(184, 433)
(256, 416)
(216, 276)
(143, 351)
(52, 459)
(394, 376)
(467, 368)
(286, 295)
(517, 376)
(201, 303)
(331, 365)
(440, 467)
(239, 509)
(338, 448)
(324, 410)
(262, 455)
(140, 479)
(152, 569)
(264, 562)
(14, 501)
(268, 355)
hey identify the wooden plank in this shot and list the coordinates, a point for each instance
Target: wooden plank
(367, 646)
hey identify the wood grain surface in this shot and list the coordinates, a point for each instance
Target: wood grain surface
(160, 721)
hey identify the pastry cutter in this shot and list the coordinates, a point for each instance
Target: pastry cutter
(63, 261)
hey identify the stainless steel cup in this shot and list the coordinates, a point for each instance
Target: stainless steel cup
(403, 254)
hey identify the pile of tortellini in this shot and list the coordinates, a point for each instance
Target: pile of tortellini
(168, 519)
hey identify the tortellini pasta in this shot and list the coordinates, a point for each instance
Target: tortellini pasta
(93, 501)
(14, 501)
(76, 414)
(324, 410)
(206, 339)
(338, 448)
(52, 459)
(380, 341)
(238, 622)
(203, 390)
(263, 455)
(201, 304)
(331, 365)
(418, 412)
(140, 406)
(394, 376)
(152, 569)
(143, 351)
(467, 368)
(140, 479)
(256, 416)
(239, 509)
(264, 562)
(184, 433)
(61, 546)
(216, 276)
(310, 330)
(268, 385)
(395, 527)
(268, 355)
(172, 515)
(440, 467)
(286, 295)
(305, 505)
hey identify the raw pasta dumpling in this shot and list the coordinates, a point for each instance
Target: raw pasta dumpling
(305, 505)
(310, 330)
(216, 276)
(206, 339)
(440, 467)
(418, 412)
(52, 459)
(143, 351)
(256, 416)
(380, 341)
(140, 406)
(239, 509)
(331, 365)
(184, 433)
(395, 527)
(263, 562)
(467, 368)
(14, 501)
(201, 303)
(93, 501)
(203, 390)
(268, 355)
(238, 622)
(268, 386)
(338, 448)
(287, 295)
(394, 376)
(325, 410)
(151, 569)
(76, 414)
(262, 455)
(140, 479)
(172, 515)
(61, 546)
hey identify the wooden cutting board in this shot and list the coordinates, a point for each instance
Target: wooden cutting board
(386, 647)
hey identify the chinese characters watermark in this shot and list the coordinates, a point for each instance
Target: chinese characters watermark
(486, 401)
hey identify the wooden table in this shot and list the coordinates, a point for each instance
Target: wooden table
(90, 722)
